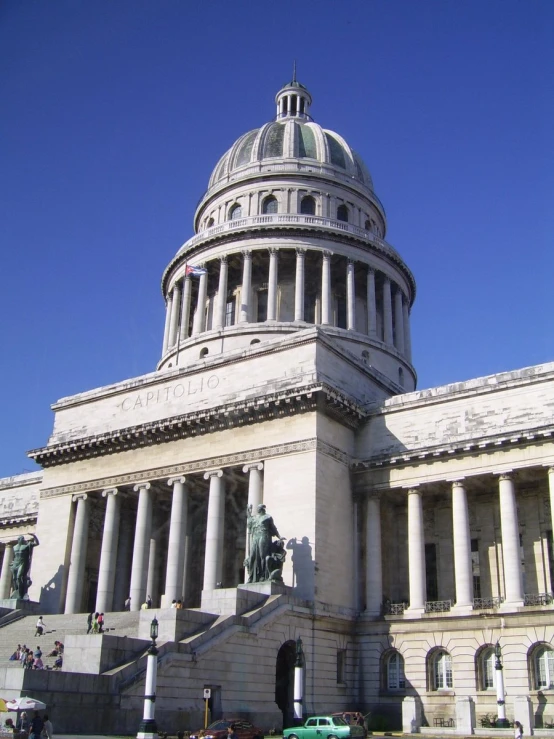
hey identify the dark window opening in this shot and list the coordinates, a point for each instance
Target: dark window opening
(270, 205)
(341, 665)
(431, 577)
(342, 213)
(341, 312)
(235, 212)
(203, 352)
(475, 569)
(307, 206)
(262, 306)
(230, 312)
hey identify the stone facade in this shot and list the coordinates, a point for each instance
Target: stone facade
(417, 524)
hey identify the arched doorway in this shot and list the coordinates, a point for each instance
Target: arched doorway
(284, 682)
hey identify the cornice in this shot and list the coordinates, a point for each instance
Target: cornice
(200, 465)
(318, 396)
(455, 449)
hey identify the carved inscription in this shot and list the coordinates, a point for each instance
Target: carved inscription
(194, 387)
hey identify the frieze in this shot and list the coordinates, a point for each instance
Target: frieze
(229, 460)
(14, 506)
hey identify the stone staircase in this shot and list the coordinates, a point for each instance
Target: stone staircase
(58, 626)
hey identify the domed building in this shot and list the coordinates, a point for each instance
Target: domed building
(312, 533)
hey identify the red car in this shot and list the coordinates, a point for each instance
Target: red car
(218, 730)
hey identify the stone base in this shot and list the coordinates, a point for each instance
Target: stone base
(18, 604)
(236, 601)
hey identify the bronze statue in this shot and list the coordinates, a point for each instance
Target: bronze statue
(261, 530)
(275, 560)
(21, 566)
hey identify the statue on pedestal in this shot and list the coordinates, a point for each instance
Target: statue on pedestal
(21, 566)
(265, 556)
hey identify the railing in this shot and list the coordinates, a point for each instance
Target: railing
(538, 599)
(438, 606)
(394, 609)
(289, 218)
(480, 604)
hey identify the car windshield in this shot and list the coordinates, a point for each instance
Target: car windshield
(218, 725)
(338, 721)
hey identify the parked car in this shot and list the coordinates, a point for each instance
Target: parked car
(325, 727)
(218, 730)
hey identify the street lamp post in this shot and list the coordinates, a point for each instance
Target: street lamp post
(501, 721)
(299, 683)
(148, 728)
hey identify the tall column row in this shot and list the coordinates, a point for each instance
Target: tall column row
(395, 306)
(142, 566)
(463, 574)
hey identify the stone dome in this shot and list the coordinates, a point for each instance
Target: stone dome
(292, 135)
(292, 138)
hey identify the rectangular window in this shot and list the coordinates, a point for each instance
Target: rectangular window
(341, 312)
(262, 306)
(230, 313)
(476, 572)
(431, 572)
(341, 665)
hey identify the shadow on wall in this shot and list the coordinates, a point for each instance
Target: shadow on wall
(50, 594)
(303, 567)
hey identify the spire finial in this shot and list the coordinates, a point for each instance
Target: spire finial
(294, 71)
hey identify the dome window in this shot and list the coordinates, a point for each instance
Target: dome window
(270, 205)
(342, 213)
(235, 212)
(254, 341)
(365, 357)
(210, 223)
(203, 352)
(368, 225)
(307, 206)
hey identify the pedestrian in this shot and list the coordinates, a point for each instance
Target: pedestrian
(101, 623)
(148, 601)
(144, 606)
(40, 627)
(23, 723)
(95, 623)
(518, 730)
(128, 603)
(37, 725)
(89, 622)
(48, 731)
(231, 733)
(173, 603)
(38, 653)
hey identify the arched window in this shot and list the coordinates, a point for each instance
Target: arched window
(210, 223)
(307, 206)
(235, 212)
(543, 668)
(254, 341)
(486, 673)
(395, 672)
(203, 352)
(365, 356)
(342, 213)
(270, 205)
(441, 670)
(368, 225)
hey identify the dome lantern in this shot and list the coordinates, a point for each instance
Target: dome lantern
(293, 100)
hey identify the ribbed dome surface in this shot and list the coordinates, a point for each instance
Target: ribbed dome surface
(291, 138)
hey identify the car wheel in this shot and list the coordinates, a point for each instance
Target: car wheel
(332, 736)
(292, 736)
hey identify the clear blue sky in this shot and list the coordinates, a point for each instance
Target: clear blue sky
(114, 113)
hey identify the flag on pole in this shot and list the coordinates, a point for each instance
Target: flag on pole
(195, 271)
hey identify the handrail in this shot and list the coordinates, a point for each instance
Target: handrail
(283, 219)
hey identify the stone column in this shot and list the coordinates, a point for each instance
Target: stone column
(407, 336)
(462, 546)
(174, 578)
(510, 541)
(326, 289)
(371, 304)
(255, 496)
(214, 529)
(374, 573)
(108, 553)
(387, 313)
(151, 577)
(76, 579)
(299, 285)
(175, 311)
(6, 576)
(168, 309)
(199, 321)
(246, 289)
(350, 297)
(272, 285)
(399, 319)
(416, 552)
(219, 321)
(185, 309)
(141, 547)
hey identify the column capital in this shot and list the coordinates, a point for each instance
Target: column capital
(273, 250)
(505, 475)
(351, 261)
(176, 285)
(550, 468)
(370, 270)
(213, 473)
(246, 253)
(300, 251)
(327, 254)
(253, 466)
(109, 491)
(80, 496)
(141, 486)
(458, 482)
(178, 478)
(223, 259)
(386, 279)
(413, 490)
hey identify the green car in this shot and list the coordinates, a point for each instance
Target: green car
(324, 727)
